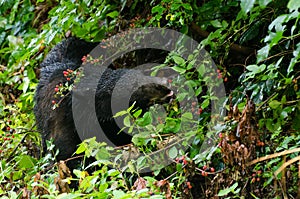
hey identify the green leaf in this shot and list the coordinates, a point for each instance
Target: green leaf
(293, 5)
(205, 103)
(247, 5)
(145, 120)
(102, 154)
(118, 194)
(216, 23)
(179, 69)
(69, 195)
(277, 23)
(224, 192)
(127, 122)
(113, 14)
(263, 53)
(173, 152)
(264, 3)
(26, 162)
(274, 104)
(187, 115)
(255, 69)
(82, 148)
(158, 9)
(121, 113)
(137, 113)
(178, 60)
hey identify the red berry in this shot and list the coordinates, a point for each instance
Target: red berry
(220, 135)
(170, 80)
(194, 103)
(220, 144)
(8, 128)
(53, 102)
(199, 111)
(189, 185)
(68, 79)
(203, 173)
(56, 89)
(204, 167)
(212, 169)
(259, 172)
(253, 180)
(83, 59)
(0, 151)
(184, 161)
(257, 179)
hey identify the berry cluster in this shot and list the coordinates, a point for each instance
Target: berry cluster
(63, 89)
(181, 160)
(219, 72)
(206, 169)
(256, 176)
(69, 74)
(196, 110)
(260, 143)
(9, 134)
(188, 184)
(89, 59)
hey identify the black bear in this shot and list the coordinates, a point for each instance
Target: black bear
(58, 124)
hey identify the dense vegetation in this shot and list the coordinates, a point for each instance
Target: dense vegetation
(255, 45)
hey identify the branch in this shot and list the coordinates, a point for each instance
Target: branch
(234, 47)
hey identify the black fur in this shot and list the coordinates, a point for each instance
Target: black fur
(59, 123)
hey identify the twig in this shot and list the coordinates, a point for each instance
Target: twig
(235, 47)
(275, 155)
(283, 166)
